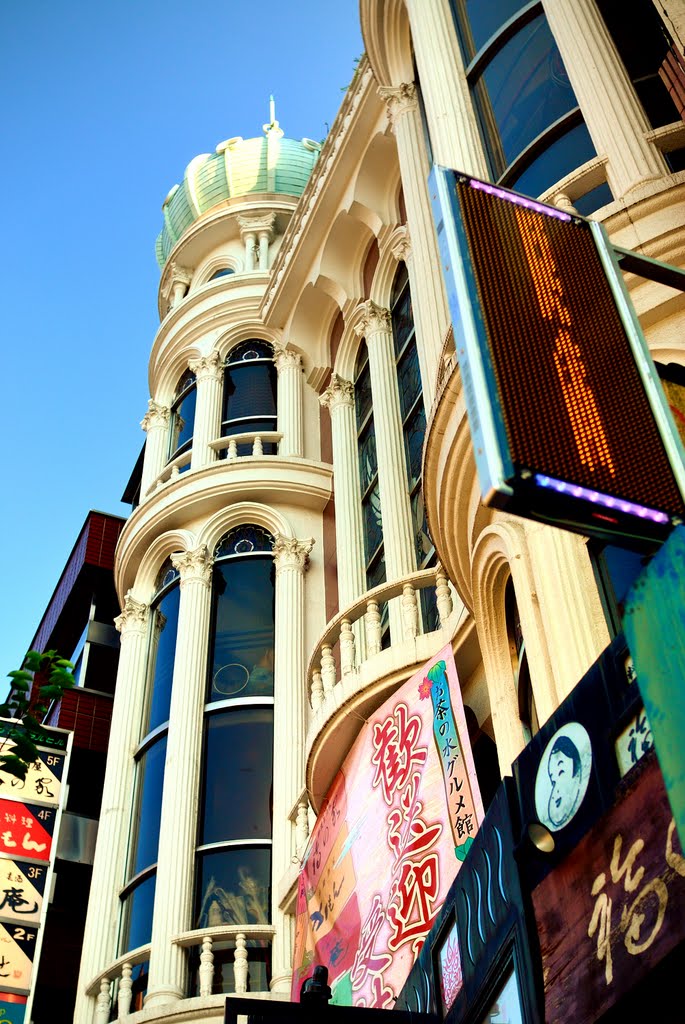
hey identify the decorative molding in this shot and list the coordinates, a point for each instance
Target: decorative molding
(291, 553)
(180, 275)
(254, 224)
(194, 566)
(400, 100)
(286, 358)
(133, 617)
(400, 246)
(339, 392)
(156, 416)
(371, 319)
(209, 367)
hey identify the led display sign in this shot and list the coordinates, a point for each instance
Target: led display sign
(567, 415)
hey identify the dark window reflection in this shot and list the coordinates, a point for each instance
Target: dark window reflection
(242, 641)
(149, 784)
(182, 420)
(138, 915)
(250, 393)
(235, 887)
(479, 20)
(238, 771)
(162, 650)
(258, 967)
(555, 162)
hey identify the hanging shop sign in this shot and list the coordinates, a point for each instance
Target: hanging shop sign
(43, 780)
(394, 829)
(26, 830)
(22, 889)
(569, 422)
(17, 955)
(12, 1008)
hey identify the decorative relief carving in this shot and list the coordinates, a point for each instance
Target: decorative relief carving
(133, 617)
(209, 367)
(253, 224)
(401, 246)
(180, 275)
(286, 358)
(156, 416)
(372, 319)
(339, 392)
(194, 566)
(400, 99)
(290, 553)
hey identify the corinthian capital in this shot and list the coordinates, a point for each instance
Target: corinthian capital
(290, 553)
(133, 618)
(209, 367)
(156, 416)
(400, 99)
(286, 358)
(180, 275)
(339, 392)
(254, 223)
(371, 319)
(194, 566)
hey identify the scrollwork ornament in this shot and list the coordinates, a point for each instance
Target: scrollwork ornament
(291, 553)
(400, 99)
(401, 246)
(194, 566)
(286, 358)
(210, 367)
(339, 392)
(133, 617)
(372, 319)
(157, 415)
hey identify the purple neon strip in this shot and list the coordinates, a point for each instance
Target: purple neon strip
(529, 204)
(619, 504)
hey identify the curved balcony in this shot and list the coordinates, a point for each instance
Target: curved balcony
(113, 987)
(350, 673)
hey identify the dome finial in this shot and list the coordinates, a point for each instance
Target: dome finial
(273, 125)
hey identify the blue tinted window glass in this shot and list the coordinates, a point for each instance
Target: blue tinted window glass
(362, 395)
(593, 200)
(238, 772)
(139, 907)
(408, 379)
(162, 649)
(478, 20)
(522, 91)
(242, 643)
(572, 150)
(249, 390)
(149, 807)
(182, 421)
(234, 887)
(368, 461)
(373, 525)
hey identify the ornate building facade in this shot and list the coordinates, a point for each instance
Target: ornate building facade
(308, 530)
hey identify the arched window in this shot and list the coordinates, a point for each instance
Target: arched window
(139, 893)
(532, 129)
(249, 404)
(233, 877)
(182, 421)
(519, 664)
(222, 272)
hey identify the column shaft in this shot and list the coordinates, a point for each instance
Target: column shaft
(291, 557)
(290, 412)
(209, 373)
(177, 834)
(102, 923)
(156, 424)
(611, 109)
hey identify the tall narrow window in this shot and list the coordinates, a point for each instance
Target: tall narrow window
(250, 393)
(519, 664)
(182, 422)
(233, 877)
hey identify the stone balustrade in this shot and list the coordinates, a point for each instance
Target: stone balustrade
(171, 471)
(256, 438)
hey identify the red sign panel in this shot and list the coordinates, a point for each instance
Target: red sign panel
(26, 830)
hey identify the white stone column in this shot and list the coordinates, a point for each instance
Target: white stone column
(290, 412)
(375, 324)
(291, 557)
(338, 398)
(156, 425)
(209, 374)
(104, 906)
(452, 124)
(178, 826)
(180, 282)
(431, 315)
(611, 109)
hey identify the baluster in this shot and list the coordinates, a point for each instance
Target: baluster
(103, 1003)
(348, 656)
(373, 628)
(206, 967)
(125, 987)
(232, 452)
(327, 668)
(410, 612)
(240, 965)
(257, 448)
(317, 689)
(175, 472)
(301, 828)
(443, 597)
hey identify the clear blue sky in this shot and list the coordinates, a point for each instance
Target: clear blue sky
(103, 105)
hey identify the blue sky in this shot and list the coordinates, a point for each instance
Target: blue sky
(104, 104)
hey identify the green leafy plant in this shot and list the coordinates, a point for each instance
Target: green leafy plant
(18, 747)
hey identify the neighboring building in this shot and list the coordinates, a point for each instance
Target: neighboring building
(309, 531)
(78, 623)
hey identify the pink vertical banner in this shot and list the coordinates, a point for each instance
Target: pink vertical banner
(394, 828)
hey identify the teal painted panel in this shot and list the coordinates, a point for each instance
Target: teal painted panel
(210, 183)
(654, 625)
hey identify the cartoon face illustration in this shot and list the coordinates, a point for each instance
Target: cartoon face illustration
(563, 776)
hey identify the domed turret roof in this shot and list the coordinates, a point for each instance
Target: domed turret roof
(271, 164)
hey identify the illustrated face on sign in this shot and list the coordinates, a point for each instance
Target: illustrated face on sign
(563, 776)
